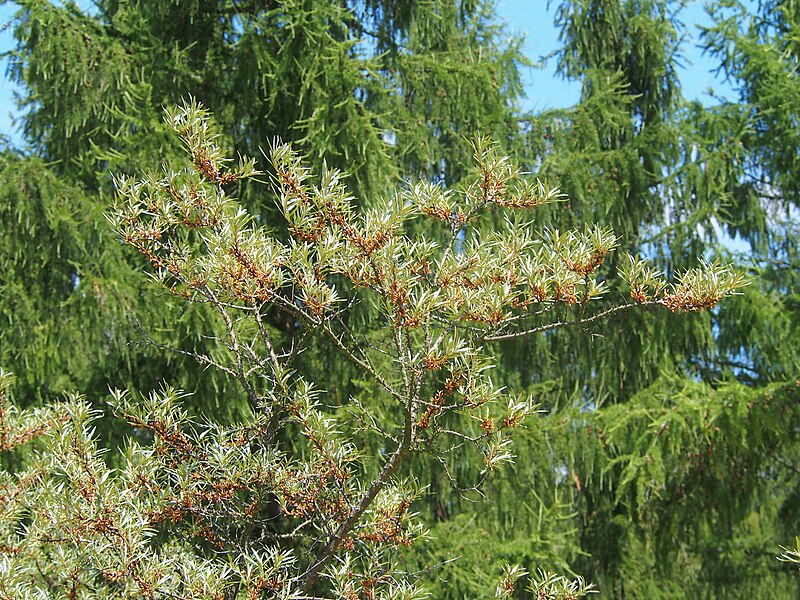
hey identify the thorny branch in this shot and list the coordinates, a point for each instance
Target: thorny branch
(289, 478)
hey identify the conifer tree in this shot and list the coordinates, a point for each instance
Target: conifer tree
(377, 88)
(662, 171)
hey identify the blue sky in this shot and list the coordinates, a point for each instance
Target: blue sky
(530, 17)
(6, 90)
(546, 90)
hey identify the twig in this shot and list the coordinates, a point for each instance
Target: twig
(558, 324)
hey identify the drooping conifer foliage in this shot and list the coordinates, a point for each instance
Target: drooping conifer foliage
(377, 89)
(678, 179)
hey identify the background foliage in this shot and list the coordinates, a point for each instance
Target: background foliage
(666, 465)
